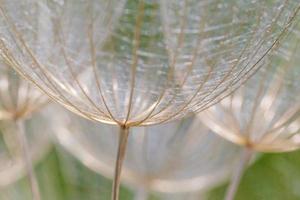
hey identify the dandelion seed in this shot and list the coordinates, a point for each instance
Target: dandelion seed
(92, 46)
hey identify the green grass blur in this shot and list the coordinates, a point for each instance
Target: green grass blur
(62, 177)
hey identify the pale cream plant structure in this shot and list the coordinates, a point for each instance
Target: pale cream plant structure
(264, 114)
(181, 158)
(136, 63)
(23, 137)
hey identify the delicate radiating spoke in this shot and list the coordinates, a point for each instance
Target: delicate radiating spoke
(145, 67)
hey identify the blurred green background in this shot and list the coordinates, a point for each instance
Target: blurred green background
(62, 177)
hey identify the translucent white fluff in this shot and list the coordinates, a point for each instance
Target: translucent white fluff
(140, 62)
(180, 156)
(264, 114)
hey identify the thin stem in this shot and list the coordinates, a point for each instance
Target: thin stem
(237, 175)
(123, 138)
(28, 161)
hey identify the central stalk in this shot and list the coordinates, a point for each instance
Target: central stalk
(123, 138)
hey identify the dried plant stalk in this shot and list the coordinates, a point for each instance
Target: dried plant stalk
(237, 175)
(28, 161)
(24, 142)
(123, 138)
